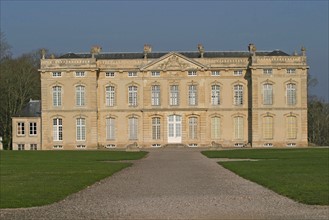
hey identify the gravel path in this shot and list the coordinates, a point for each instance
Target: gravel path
(173, 184)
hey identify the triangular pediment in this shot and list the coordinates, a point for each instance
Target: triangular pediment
(173, 61)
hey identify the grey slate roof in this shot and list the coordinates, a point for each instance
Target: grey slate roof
(156, 55)
(31, 109)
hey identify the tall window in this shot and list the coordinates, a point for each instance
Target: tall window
(20, 128)
(193, 126)
(291, 94)
(192, 95)
(110, 96)
(267, 94)
(215, 127)
(132, 95)
(215, 94)
(57, 129)
(133, 128)
(238, 128)
(110, 128)
(174, 95)
(156, 128)
(268, 127)
(57, 95)
(291, 127)
(81, 129)
(33, 128)
(238, 94)
(155, 96)
(80, 95)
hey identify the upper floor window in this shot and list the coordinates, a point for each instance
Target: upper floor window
(291, 71)
(80, 95)
(57, 129)
(174, 95)
(238, 128)
(57, 95)
(110, 128)
(291, 94)
(215, 94)
(132, 95)
(155, 73)
(155, 96)
(267, 71)
(191, 73)
(156, 128)
(33, 128)
(20, 128)
(238, 94)
(110, 96)
(215, 127)
(267, 94)
(80, 74)
(192, 95)
(81, 129)
(132, 74)
(57, 74)
(268, 127)
(193, 126)
(237, 73)
(133, 128)
(109, 74)
(215, 73)
(291, 127)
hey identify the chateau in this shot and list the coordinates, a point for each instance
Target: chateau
(149, 99)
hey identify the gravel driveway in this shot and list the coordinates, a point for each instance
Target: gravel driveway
(173, 184)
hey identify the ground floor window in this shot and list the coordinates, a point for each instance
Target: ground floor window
(33, 147)
(133, 128)
(193, 128)
(156, 128)
(21, 146)
(238, 128)
(215, 128)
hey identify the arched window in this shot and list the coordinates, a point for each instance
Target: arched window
(267, 94)
(57, 95)
(156, 128)
(80, 95)
(291, 94)
(238, 94)
(215, 127)
(110, 95)
(215, 94)
(57, 129)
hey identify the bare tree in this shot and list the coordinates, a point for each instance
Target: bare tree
(5, 52)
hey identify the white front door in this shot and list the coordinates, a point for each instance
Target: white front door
(174, 129)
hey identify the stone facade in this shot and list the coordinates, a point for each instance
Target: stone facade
(198, 99)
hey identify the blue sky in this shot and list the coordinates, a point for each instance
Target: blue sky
(75, 26)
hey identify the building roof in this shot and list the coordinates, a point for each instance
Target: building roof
(31, 109)
(156, 55)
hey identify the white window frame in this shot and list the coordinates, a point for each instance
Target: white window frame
(267, 94)
(291, 71)
(155, 73)
(57, 96)
(268, 127)
(33, 147)
(174, 95)
(80, 92)
(193, 127)
(133, 128)
(215, 94)
(110, 74)
(193, 95)
(192, 73)
(21, 147)
(132, 74)
(80, 74)
(80, 129)
(20, 128)
(155, 95)
(215, 127)
(57, 129)
(238, 127)
(132, 96)
(291, 94)
(33, 128)
(156, 128)
(291, 127)
(238, 94)
(57, 74)
(237, 73)
(110, 128)
(215, 73)
(268, 71)
(110, 98)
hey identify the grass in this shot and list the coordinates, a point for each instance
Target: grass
(35, 178)
(300, 174)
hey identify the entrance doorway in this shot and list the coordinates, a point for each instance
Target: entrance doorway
(174, 129)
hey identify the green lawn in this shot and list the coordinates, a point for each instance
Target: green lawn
(34, 178)
(300, 174)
